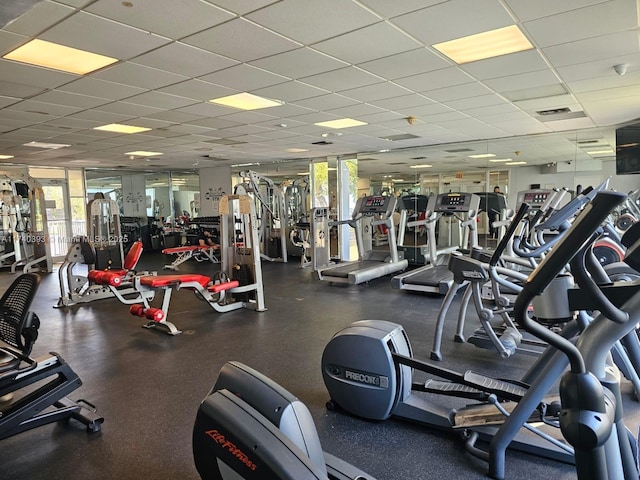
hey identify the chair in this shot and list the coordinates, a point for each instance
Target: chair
(33, 390)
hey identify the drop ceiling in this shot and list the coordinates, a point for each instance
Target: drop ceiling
(370, 60)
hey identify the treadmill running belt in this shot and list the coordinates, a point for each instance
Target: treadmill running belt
(342, 271)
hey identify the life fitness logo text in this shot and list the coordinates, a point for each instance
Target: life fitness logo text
(231, 448)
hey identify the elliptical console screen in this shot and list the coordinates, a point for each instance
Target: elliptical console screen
(375, 204)
(453, 202)
(535, 198)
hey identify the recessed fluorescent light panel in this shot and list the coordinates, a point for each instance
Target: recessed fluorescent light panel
(297, 150)
(485, 45)
(246, 101)
(482, 155)
(51, 146)
(424, 165)
(142, 153)
(51, 55)
(341, 123)
(500, 160)
(120, 128)
(5, 157)
(601, 152)
(516, 163)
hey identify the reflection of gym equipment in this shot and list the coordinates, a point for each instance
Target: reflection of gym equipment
(102, 249)
(198, 252)
(271, 213)
(368, 213)
(445, 207)
(237, 285)
(35, 388)
(412, 220)
(249, 427)
(24, 237)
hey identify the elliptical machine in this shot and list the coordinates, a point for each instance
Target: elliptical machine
(249, 427)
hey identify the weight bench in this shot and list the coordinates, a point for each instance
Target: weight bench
(34, 390)
(198, 252)
(214, 293)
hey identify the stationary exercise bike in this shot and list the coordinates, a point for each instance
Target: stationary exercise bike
(249, 427)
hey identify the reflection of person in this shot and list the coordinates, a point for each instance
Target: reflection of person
(493, 216)
(206, 239)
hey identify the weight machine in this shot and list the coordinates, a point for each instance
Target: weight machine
(24, 236)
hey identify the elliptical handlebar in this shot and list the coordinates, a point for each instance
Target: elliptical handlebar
(585, 225)
(504, 241)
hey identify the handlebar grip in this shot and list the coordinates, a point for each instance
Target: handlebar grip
(581, 230)
(504, 241)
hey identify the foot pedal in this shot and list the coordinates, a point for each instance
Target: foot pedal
(453, 390)
(500, 388)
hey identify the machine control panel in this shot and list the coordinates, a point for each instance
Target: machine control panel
(535, 198)
(455, 202)
(377, 205)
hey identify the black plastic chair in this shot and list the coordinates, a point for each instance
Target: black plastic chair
(18, 325)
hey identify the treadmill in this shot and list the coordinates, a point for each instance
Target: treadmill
(369, 212)
(436, 277)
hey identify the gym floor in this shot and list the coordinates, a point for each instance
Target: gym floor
(148, 385)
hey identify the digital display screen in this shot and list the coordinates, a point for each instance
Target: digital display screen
(375, 202)
(536, 198)
(452, 199)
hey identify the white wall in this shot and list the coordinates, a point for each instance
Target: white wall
(214, 182)
(621, 183)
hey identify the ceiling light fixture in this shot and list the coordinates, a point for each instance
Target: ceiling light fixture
(482, 155)
(424, 165)
(601, 152)
(51, 146)
(341, 123)
(143, 153)
(246, 101)
(297, 150)
(5, 157)
(480, 46)
(58, 57)
(516, 163)
(120, 128)
(500, 160)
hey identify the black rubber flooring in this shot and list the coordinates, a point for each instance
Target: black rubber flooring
(148, 385)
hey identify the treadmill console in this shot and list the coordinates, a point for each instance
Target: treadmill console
(454, 202)
(378, 205)
(535, 198)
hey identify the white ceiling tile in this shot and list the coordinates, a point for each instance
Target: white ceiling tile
(72, 99)
(405, 64)
(138, 76)
(244, 78)
(368, 43)
(427, 110)
(612, 111)
(325, 102)
(301, 62)
(99, 35)
(546, 103)
(129, 109)
(477, 102)
(291, 19)
(100, 88)
(6, 101)
(458, 92)
(290, 91)
(18, 90)
(382, 117)
(342, 79)
(157, 16)
(523, 81)
(39, 18)
(10, 41)
(487, 111)
(241, 40)
(241, 7)
(160, 100)
(47, 108)
(608, 93)
(587, 22)
(454, 19)
(598, 68)
(581, 51)
(184, 59)
(289, 110)
(31, 76)
(213, 123)
(570, 124)
(433, 80)
(504, 65)
(103, 118)
(198, 90)
(377, 91)
(402, 102)
(528, 10)
(354, 111)
(614, 81)
(205, 109)
(253, 116)
(392, 9)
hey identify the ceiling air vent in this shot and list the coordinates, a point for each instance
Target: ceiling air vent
(458, 150)
(403, 136)
(554, 111)
(418, 158)
(322, 142)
